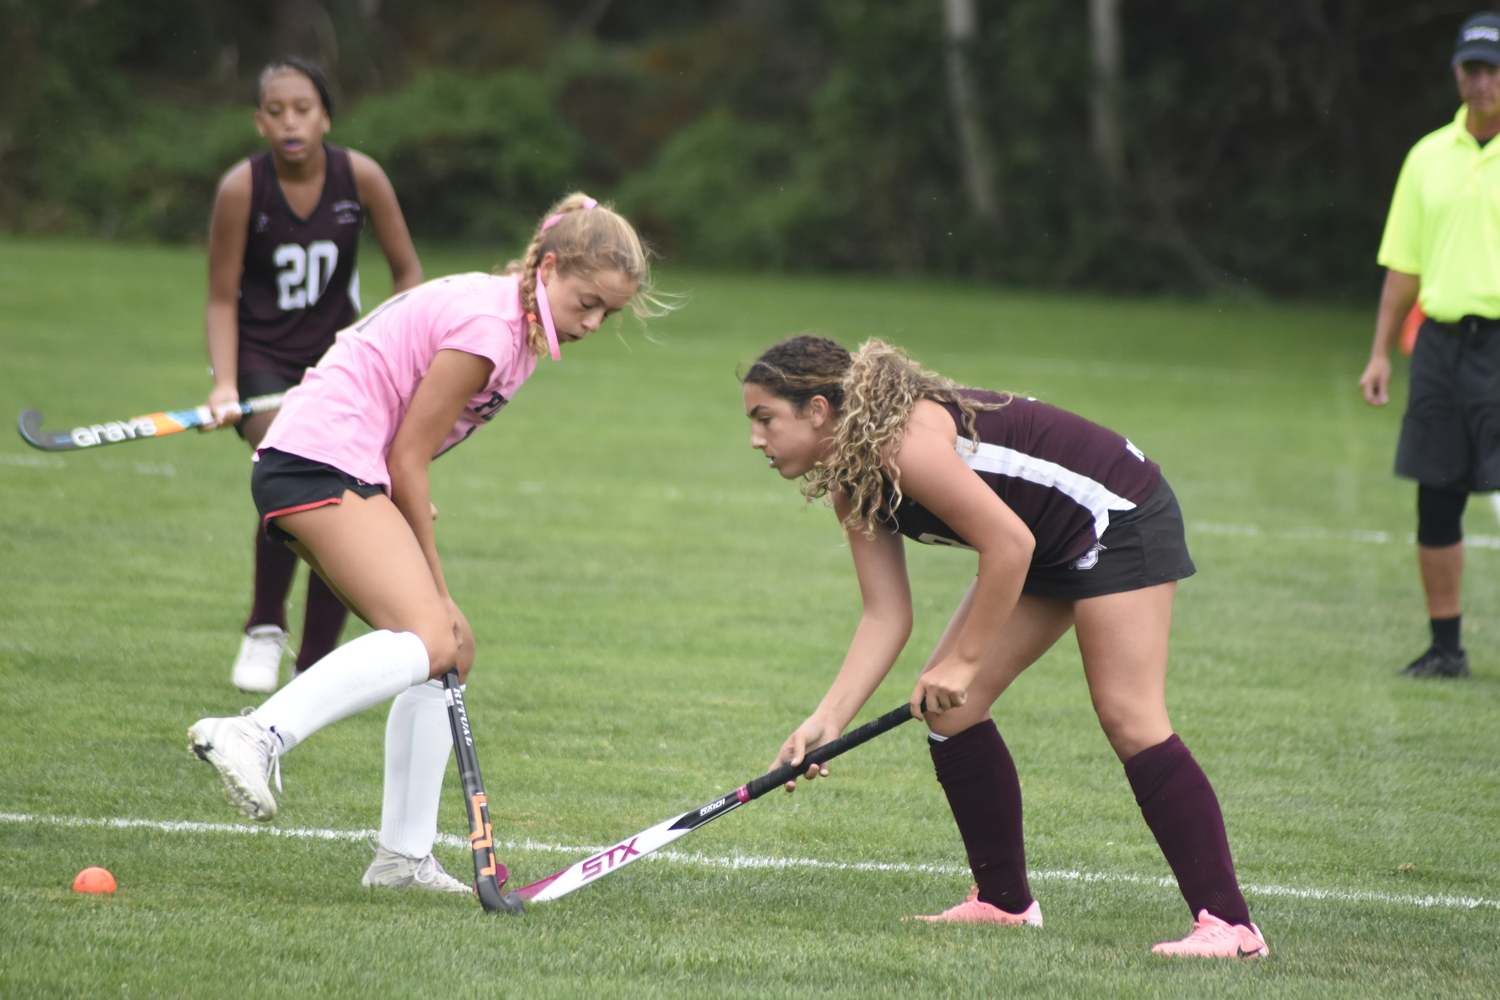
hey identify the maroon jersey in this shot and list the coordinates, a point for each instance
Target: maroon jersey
(1062, 475)
(300, 285)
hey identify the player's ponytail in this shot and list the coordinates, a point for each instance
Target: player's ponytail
(873, 391)
(586, 238)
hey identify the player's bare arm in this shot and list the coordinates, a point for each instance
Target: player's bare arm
(1397, 296)
(226, 260)
(379, 199)
(454, 378)
(935, 476)
(884, 626)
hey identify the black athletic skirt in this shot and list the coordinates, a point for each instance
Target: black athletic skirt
(1140, 548)
(252, 384)
(283, 483)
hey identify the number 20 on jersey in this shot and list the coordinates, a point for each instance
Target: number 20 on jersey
(304, 272)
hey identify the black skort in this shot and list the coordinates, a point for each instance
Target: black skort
(252, 384)
(1141, 548)
(1450, 433)
(283, 483)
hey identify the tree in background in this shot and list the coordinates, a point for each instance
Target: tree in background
(1148, 145)
(961, 30)
(1107, 133)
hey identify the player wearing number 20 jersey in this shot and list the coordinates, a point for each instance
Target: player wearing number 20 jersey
(300, 285)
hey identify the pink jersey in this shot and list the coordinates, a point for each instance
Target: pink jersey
(346, 411)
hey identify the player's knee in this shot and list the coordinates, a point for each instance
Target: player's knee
(1130, 730)
(1116, 725)
(442, 650)
(1126, 744)
(1440, 517)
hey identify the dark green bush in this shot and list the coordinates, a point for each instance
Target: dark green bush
(476, 159)
(470, 158)
(1258, 153)
(727, 192)
(152, 177)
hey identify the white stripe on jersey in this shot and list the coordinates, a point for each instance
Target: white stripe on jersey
(1087, 493)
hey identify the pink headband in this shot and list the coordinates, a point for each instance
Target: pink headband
(543, 306)
(553, 220)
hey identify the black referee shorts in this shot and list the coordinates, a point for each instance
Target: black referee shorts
(1141, 548)
(1450, 434)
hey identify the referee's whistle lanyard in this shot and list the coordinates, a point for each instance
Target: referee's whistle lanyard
(545, 308)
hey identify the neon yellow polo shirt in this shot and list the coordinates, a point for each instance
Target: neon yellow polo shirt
(1444, 223)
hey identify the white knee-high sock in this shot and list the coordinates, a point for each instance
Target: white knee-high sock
(356, 676)
(418, 742)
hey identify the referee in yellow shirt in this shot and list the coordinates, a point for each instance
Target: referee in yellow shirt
(1442, 247)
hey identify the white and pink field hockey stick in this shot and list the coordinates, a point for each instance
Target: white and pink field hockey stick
(612, 859)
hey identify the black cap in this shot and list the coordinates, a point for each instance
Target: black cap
(1478, 39)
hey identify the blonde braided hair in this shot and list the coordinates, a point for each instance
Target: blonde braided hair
(585, 240)
(873, 392)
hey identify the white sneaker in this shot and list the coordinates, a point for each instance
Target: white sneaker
(258, 667)
(397, 871)
(244, 753)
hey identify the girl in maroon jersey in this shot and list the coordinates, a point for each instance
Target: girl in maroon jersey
(282, 281)
(1074, 527)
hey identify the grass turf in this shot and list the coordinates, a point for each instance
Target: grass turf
(655, 611)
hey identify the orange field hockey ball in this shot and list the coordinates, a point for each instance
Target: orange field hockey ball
(94, 880)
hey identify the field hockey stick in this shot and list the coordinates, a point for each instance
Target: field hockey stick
(117, 431)
(612, 859)
(489, 874)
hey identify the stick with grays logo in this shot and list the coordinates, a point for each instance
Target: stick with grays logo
(29, 423)
(612, 859)
(489, 874)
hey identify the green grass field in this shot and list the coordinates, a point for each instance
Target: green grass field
(655, 610)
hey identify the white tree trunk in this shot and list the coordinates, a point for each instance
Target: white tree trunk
(303, 28)
(1109, 143)
(961, 25)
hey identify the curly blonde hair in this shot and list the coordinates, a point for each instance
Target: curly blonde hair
(873, 392)
(586, 240)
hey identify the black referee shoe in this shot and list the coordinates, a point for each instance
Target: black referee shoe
(1438, 663)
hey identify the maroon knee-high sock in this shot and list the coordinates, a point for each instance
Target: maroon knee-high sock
(274, 563)
(322, 624)
(979, 778)
(1181, 809)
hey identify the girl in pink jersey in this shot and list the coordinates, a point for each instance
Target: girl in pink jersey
(341, 478)
(282, 281)
(1075, 528)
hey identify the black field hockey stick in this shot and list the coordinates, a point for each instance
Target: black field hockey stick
(612, 859)
(489, 874)
(29, 423)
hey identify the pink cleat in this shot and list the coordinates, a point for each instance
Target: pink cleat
(1213, 938)
(972, 911)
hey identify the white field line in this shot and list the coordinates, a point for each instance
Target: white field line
(1368, 537)
(39, 461)
(53, 462)
(738, 861)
